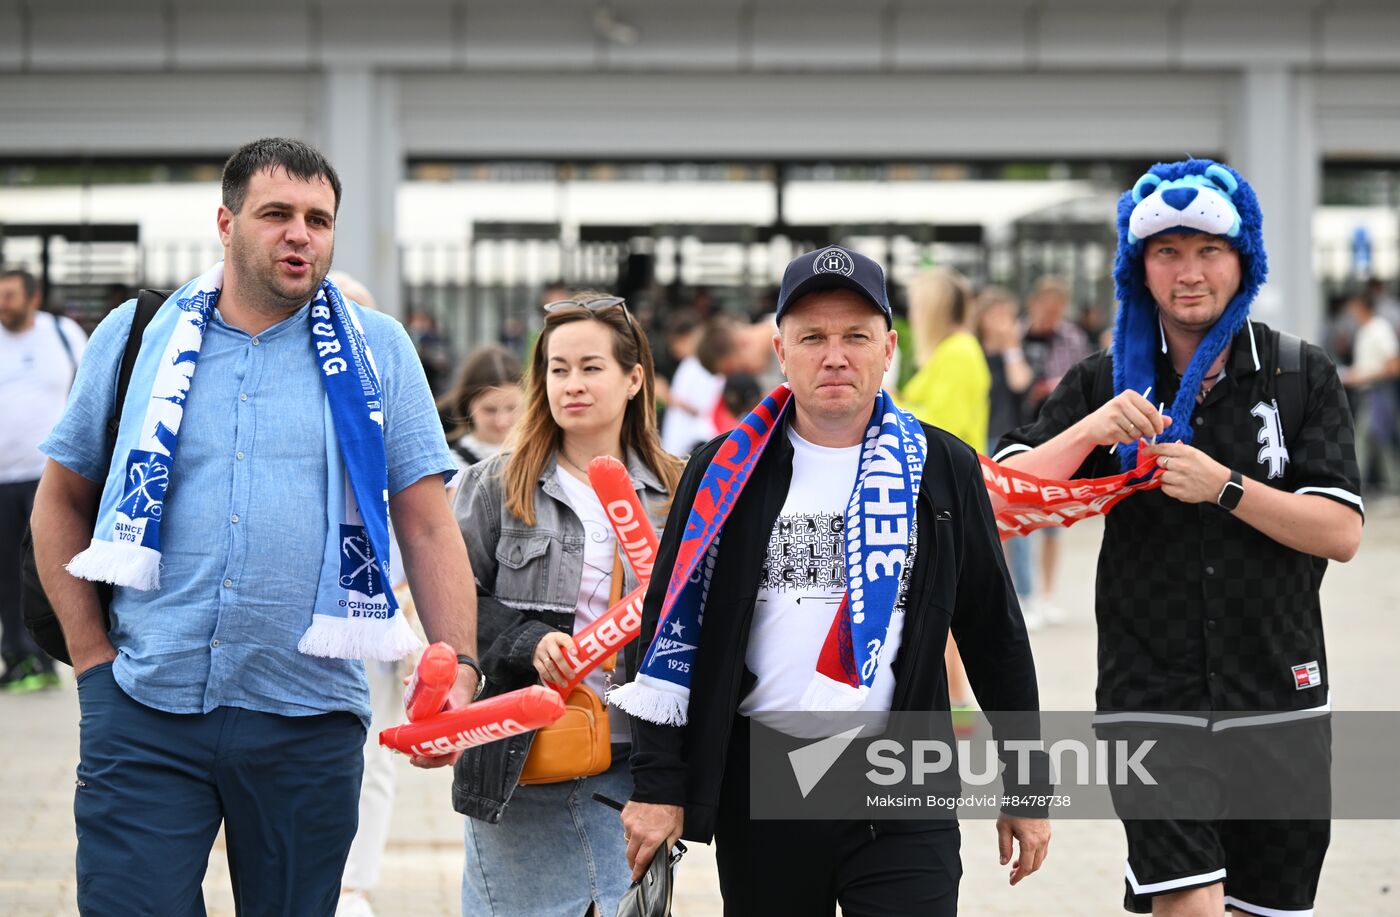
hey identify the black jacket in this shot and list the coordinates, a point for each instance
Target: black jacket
(959, 579)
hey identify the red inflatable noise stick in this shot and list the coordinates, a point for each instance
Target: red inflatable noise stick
(629, 520)
(477, 724)
(432, 681)
(620, 624)
(617, 627)
(432, 731)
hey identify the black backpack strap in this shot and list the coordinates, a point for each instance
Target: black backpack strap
(468, 456)
(147, 303)
(1290, 388)
(1290, 353)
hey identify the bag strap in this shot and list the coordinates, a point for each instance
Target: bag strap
(1289, 384)
(1290, 352)
(148, 302)
(468, 456)
(614, 596)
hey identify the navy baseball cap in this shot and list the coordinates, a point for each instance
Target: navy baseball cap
(834, 267)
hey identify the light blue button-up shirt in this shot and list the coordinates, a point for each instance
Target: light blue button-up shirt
(245, 515)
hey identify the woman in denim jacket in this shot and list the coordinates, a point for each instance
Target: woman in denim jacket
(543, 555)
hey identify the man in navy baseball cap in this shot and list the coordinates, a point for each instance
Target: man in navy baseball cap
(832, 268)
(831, 466)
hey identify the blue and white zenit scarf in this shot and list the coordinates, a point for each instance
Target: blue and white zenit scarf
(355, 613)
(880, 524)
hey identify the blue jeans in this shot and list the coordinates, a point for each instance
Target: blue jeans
(554, 851)
(1018, 554)
(153, 788)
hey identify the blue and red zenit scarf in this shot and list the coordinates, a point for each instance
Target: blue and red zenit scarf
(880, 522)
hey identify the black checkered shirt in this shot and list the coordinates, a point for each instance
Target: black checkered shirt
(1197, 611)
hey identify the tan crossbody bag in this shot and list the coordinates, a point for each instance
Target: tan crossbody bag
(578, 744)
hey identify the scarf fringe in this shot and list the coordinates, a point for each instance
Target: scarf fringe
(824, 693)
(131, 565)
(345, 638)
(652, 700)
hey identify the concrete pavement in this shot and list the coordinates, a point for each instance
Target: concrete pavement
(1082, 876)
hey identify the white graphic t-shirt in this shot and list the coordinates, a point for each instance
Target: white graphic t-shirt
(599, 549)
(804, 578)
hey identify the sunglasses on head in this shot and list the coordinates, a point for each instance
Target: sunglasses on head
(592, 305)
(600, 304)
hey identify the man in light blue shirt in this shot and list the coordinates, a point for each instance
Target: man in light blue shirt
(197, 706)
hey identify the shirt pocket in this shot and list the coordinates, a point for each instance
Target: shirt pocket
(935, 562)
(527, 567)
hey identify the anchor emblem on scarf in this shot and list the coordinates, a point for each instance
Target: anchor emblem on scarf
(358, 566)
(148, 476)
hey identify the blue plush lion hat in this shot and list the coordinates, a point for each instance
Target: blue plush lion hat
(1194, 195)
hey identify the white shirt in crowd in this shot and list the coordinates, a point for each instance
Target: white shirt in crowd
(599, 550)
(804, 578)
(36, 371)
(1375, 344)
(682, 431)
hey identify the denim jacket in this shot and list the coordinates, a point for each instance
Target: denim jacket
(527, 580)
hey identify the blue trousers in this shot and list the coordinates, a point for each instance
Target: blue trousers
(153, 788)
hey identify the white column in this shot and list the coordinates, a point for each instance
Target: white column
(1275, 148)
(360, 135)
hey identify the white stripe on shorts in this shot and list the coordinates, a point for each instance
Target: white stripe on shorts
(1260, 911)
(1152, 888)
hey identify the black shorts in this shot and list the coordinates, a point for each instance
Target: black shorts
(1269, 868)
(1246, 800)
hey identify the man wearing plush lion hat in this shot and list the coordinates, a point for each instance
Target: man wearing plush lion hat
(1207, 589)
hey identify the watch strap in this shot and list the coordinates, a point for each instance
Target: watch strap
(464, 659)
(1231, 494)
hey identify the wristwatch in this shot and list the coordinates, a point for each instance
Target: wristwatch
(466, 660)
(1231, 493)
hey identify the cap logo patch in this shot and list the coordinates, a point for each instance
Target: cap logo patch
(833, 261)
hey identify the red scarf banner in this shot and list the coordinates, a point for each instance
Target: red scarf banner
(1023, 502)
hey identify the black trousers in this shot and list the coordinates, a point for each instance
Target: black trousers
(16, 503)
(805, 868)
